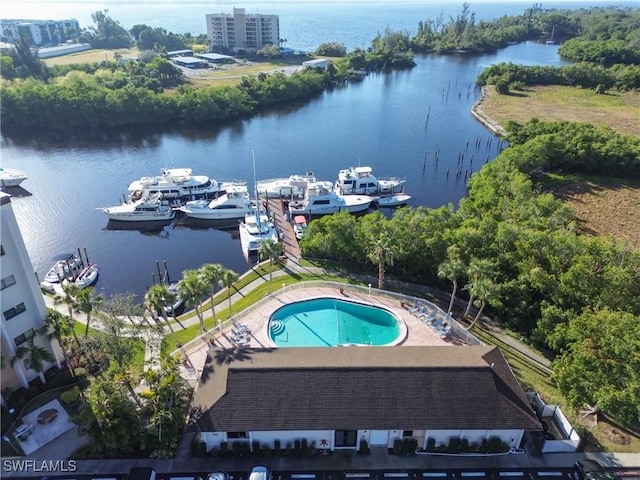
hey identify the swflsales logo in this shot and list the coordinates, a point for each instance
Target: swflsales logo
(49, 466)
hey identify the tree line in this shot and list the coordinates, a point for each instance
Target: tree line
(604, 46)
(520, 254)
(509, 76)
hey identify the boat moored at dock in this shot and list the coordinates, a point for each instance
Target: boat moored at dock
(11, 178)
(178, 184)
(88, 276)
(234, 203)
(146, 208)
(393, 201)
(292, 187)
(361, 181)
(66, 266)
(256, 229)
(321, 199)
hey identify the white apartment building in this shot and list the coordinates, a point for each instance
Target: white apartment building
(21, 302)
(242, 31)
(39, 32)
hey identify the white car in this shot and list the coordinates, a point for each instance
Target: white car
(218, 476)
(260, 472)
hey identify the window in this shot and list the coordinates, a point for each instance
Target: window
(12, 312)
(346, 438)
(20, 339)
(237, 435)
(7, 282)
(407, 433)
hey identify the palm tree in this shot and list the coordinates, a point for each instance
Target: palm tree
(193, 288)
(270, 249)
(452, 269)
(155, 300)
(383, 253)
(70, 290)
(86, 301)
(60, 326)
(34, 356)
(211, 274)
(479, 268)
(485, 290)
(228, 278)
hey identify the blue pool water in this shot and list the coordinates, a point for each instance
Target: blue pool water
(325, 322)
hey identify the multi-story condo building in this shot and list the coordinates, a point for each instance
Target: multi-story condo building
(242, 31)
(21, 301)
(39, 32)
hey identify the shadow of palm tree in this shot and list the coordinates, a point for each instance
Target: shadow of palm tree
(228, 355)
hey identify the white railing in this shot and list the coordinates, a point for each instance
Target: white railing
(456, 328)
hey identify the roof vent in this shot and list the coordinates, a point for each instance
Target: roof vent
(492, 364)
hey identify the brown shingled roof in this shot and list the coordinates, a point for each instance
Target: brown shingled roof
(431, 387)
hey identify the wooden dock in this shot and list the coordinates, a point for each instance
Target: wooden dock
(280, 217)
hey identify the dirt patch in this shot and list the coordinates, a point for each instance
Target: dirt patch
(603, 206)
(605, 435)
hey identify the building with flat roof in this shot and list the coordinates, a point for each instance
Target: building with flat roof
(338, 397)
(242, 31)
(23, 308)
(39, 32)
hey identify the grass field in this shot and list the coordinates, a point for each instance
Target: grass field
(618, 110)
(91, 56)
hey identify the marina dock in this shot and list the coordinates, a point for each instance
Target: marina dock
(277, 212)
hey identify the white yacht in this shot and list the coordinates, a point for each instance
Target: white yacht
(177, 184)
(11, 178)
(321, 199)
(257, 228)
(234, 203)
(291, 187)
(146, 208)
(361, 181)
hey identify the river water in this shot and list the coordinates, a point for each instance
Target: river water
(395, 123)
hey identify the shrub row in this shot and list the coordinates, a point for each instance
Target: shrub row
(299, 448)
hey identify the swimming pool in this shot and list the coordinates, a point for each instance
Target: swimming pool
(326, 322)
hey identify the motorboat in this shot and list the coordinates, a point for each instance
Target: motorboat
(88, 276)
(299, 226)
(361, 181)
(178, 300)
(146, 208)
(65, 266)
(256, 229)
(292, 187)
(177, 184)
(234, 203)
(321, 199)
(11, 178)
(393, 200)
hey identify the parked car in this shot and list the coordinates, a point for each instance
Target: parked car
(588, 469)
(218, 476)
(260, 472)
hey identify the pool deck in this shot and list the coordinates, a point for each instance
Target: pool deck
(416, 332)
